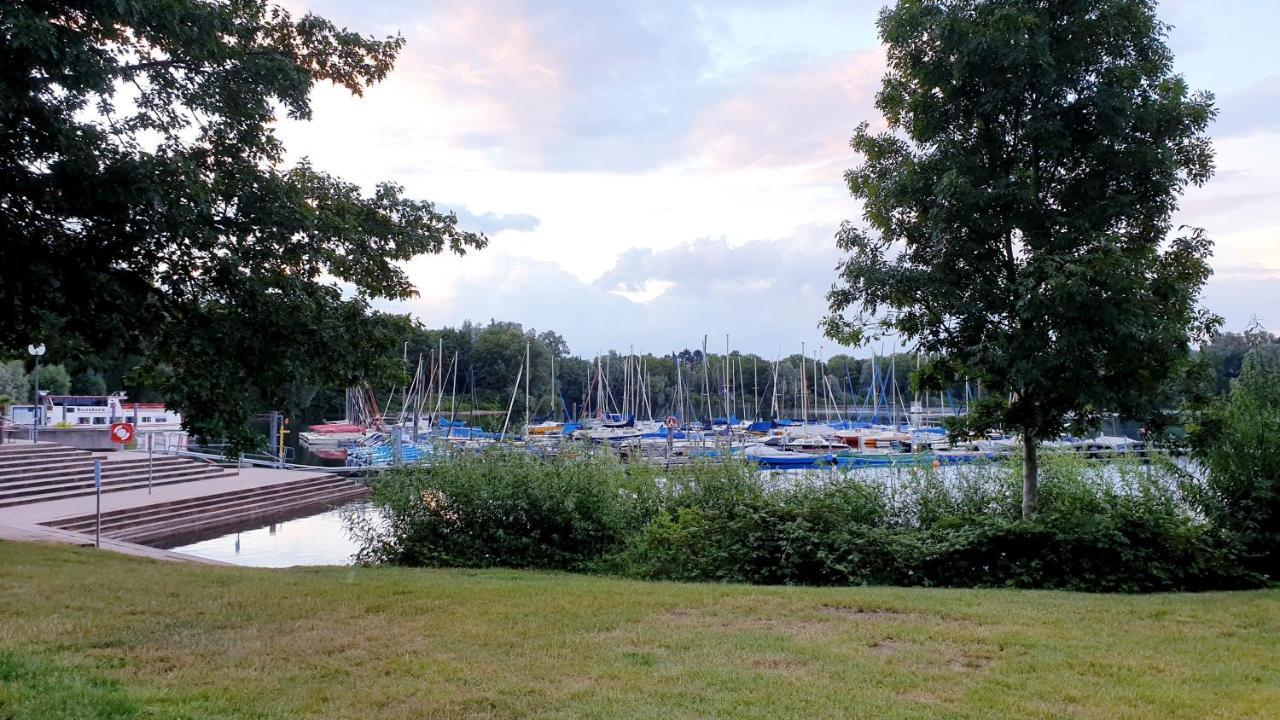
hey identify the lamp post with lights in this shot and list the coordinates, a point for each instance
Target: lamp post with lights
(36, 351)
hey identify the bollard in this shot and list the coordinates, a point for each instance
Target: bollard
(97, 486)
(150, 460)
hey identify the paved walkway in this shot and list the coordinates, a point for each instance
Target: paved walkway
(23, 522)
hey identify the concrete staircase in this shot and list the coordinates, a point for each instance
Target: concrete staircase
(46, 471)
(191, 518)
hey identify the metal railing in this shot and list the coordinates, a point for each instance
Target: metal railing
(176, 445)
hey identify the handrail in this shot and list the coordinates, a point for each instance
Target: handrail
(243, 460)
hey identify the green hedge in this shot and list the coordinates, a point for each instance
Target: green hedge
(1106, 527)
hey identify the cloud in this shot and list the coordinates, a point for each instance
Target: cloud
(492, 223)
(1239, 298)
(643, 166)
(803, 113)
(711, 267)
(618, 86)
(566, 85)
(1255, 109)
(767, 295)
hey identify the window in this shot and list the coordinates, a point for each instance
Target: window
(146, 418)
(99, 421)
(82, 421)
(161, 419)
(71, 409)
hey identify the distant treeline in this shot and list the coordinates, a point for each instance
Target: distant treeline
(490, 356)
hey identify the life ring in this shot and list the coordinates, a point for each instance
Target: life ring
(672, 422)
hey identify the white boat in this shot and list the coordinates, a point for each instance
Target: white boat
(1110, 444)
(317, 439)
(97, 410)
(778, 458)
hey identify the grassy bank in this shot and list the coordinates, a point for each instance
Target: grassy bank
(90, 634)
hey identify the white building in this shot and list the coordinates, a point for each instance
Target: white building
(97, 410)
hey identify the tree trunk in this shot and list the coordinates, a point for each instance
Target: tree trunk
(1030, 477)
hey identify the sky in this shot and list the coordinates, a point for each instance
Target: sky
(652, 172)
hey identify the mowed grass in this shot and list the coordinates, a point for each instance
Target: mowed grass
(94, 634)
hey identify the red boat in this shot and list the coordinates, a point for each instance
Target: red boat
(335, 428)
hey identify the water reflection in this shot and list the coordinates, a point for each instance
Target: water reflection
(315, 540)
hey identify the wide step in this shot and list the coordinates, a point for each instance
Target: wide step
(188, 517)
(44, 480)
(195, 506)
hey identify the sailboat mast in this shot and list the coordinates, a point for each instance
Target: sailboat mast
(679, 409)
(893, 387)
(730, 408)
(804, 391)
(453, 394)
(875, 391)
(774, 400)
(815, 384)
(526, 385)
(706, 379)
(755, 386)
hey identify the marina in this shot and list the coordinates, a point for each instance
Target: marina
(804, 423)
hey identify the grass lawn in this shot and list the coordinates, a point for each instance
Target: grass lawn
(94, 634)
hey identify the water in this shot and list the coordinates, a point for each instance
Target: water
(314, 540)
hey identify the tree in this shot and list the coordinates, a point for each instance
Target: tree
(14, 382)
(54, 379)
(1225, 353)
(89, 382)
(554, 343)
(1019, 209)
(1236, 440)
(146, 206)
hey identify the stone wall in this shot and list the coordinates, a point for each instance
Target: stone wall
(84, 438)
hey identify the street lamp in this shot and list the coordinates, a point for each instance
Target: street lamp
(36, 351)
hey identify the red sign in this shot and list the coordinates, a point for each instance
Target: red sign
(122, 432)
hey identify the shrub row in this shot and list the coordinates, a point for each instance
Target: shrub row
(1104, 527)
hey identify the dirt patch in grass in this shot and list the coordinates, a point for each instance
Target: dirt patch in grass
(856, 613)
(923, 697)
(969, 662)
(801, 627)
(776, 664)
(888, 646)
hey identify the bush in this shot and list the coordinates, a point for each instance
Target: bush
(1120, 526)
(503, 507)
(1236, 441)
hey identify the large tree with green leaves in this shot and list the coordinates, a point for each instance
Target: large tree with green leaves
(1018, 209)
(146, 205)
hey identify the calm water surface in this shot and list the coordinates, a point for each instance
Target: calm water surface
(315, 540)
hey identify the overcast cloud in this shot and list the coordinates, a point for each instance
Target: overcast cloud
(652, 172)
